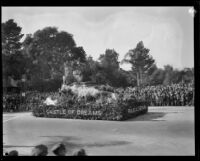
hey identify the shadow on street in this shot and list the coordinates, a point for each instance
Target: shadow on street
(150, 116)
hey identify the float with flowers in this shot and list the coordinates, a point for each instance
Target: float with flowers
(81, 101)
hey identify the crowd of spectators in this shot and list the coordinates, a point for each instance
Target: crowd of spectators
(42, 150)
(171, 95)
(11, 102)
(18, 102)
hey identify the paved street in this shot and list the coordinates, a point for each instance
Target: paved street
(162, 131)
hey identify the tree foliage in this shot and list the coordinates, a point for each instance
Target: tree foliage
(140, 59)
(110, 66)
(11, 36)
(50, 49)
(109, 60)
(14, 62)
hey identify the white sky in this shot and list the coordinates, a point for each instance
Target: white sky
(166, 31)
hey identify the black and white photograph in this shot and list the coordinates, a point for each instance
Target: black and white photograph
(98, 80)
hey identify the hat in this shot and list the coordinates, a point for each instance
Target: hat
(40, 150)
(59, 149)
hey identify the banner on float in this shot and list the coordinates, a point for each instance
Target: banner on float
(136, 109)
(88, 112)
(74, 112)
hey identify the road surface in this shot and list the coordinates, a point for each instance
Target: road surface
(162, 131)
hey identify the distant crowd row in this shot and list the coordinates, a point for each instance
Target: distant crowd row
(171, 95)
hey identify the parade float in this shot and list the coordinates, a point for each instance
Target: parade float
(86, 100)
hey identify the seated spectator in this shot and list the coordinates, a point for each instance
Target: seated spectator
(40, 150)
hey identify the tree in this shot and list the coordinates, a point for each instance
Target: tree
(187, 75)
(141, 61)
(11, 36)
(78, 53)
(90, 69)
(168, 69)
(94, 72)
(131, 78)
(149, 75)
(14, 62)
(49, 49)
(176, 77)
(109, 60)
(157, 77)
(110, 66)
(125, 78)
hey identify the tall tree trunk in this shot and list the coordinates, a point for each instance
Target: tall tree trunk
(140, 76)
(138, 79)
